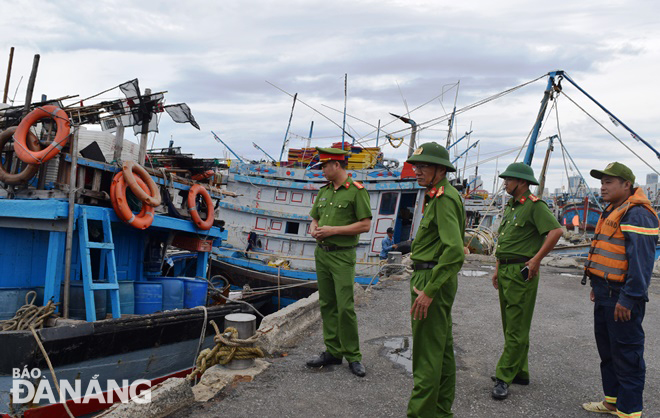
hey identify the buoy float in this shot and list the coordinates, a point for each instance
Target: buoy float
(30, 170)
(61, 137)
(192, 207)
(151, 195)
(120, 204)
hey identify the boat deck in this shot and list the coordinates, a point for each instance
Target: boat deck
(563, 359)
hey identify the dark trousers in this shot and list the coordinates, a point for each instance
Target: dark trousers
(621, 348)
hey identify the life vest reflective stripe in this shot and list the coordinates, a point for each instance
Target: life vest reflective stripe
(607, 255)
(611, 240)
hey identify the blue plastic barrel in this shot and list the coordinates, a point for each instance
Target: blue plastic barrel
(12, 298)
(172, 291)
(126, 298)
(148, 297)
(195, 293)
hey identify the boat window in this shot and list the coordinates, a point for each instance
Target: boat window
(292, 228)
(388, 203)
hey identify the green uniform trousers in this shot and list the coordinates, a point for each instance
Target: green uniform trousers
(335, 271)
(517, 300)
(434, 367)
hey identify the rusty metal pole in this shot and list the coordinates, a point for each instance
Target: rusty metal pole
(30, 87)
(11, 60)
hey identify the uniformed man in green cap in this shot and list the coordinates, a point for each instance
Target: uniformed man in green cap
(341, 212)
(437, 255)
(527, 234)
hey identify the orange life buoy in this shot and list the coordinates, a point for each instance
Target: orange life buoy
(150, 196)
(192, 207)
(120, 204)
(61, 138)
(30, 170)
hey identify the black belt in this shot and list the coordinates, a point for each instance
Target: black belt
(334, 247)
(514, 260)
(424, 266)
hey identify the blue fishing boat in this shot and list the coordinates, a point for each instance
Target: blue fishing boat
(73, 236)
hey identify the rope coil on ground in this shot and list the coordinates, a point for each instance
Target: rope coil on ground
(228, 347)
(29, 315)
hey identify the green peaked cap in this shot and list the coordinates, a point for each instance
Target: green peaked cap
(520, 171)
(615, 169)
(432, 153)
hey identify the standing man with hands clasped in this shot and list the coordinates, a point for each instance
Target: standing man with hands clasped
(527, 234)
(620, 265)
(437, 255)
(341, 212)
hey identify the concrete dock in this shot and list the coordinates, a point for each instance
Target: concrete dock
(564, 364)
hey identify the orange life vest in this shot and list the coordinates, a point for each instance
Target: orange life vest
(607, 255)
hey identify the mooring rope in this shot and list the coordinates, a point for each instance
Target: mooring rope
(29, 315)
(228, 347)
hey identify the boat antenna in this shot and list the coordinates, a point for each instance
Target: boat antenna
(305, 104)
(227, 146)
(343, 127)
(286, 135)
(453, 115)
(262, 150)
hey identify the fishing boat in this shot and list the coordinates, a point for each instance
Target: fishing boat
(268, 221)
(122, 313)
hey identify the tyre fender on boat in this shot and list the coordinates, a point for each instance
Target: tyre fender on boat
(149, 196)
(30, 170)
(61, 138)
(120, 204)
(192, 207)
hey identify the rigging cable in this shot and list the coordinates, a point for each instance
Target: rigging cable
(610, 132)
(573, 162)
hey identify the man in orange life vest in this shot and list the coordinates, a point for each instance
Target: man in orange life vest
(620, 264)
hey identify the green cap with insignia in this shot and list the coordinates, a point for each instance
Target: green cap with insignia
(331, 154)
(432, 153)
(520, 171)
(615, 169)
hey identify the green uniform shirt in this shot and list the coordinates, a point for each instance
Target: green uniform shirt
(524, 226)
(344, 206)
(440, 235)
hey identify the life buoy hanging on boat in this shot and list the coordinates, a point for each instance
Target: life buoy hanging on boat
(61, 138)
(192, 207)
(120, 204)
(30, 170)
(149, 196)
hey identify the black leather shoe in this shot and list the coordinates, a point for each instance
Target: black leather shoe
(357, 369)
(516, 381)
(324, 359)
(500, 391)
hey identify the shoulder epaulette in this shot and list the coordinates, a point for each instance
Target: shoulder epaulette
(358, 184)
(440, 192)
(533, 198)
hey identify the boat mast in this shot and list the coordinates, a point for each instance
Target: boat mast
(286, 135)
(539, 118)
(343, 126)
(539, 190)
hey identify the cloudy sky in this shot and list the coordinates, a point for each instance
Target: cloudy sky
(218, 56)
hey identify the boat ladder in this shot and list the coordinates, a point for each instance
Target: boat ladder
(107, 259)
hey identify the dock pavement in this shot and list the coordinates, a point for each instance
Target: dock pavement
(564, 364)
